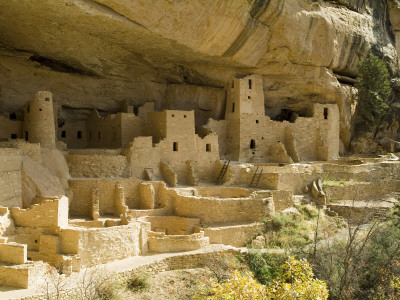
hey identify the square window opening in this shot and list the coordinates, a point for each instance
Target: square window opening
(13, 136)
(47, 99)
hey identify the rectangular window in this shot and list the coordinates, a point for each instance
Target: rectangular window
(99, 135)
(233, 83)
(90, 135)
(26, 135)
(325, 113)
(208, 147)
(175, 146)
(47, 99)
(79, 134)
(13, 116)
(63, 134)
(13, 136)
(257, 121)
(249, 84)
(233, 107)
(252, 144)
(248, 97)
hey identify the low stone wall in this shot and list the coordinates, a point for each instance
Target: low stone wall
(222, 192)
(215, 210)
(172, 225)
(97, 166)
(179, 261)
(162, 243)
(235, 235)
(361, 190)
(13, 253)
(137, 213)
(101, 245)
(52, 212)
(282, 199)
(82, 191)
(23, 276)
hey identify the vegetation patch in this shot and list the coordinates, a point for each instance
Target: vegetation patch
(138, 282)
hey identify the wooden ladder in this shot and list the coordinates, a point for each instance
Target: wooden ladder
(223, 171)
(256, 178)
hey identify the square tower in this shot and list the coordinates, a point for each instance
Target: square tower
(244, 96)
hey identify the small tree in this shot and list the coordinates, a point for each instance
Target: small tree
(373, 93)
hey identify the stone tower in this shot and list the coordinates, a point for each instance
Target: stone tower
(245, 96)
(39, 124)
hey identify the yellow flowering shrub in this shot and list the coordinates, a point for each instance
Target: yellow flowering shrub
(296, 282)
(237, 287)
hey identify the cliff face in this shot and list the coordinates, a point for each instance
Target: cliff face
(96, 53)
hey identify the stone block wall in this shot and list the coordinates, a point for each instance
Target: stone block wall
(101, 245)
(161, 243)
(13, 253)
(52, 212)
(221, 210)
(235, 235)
(171, 225)
(10, 177)
(82, 190)
(97, 166)
(10, 129)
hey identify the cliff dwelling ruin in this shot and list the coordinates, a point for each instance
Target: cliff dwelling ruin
(139, 137)
(108, 188)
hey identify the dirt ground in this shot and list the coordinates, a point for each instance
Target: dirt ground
(178, 284)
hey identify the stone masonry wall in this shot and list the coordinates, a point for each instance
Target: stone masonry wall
(10, 178)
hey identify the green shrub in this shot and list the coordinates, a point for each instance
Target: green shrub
(288, 231)
(373, 93)
(280, 221)
(308, 211)
(105, 292)
(265, 266)
(138, 282)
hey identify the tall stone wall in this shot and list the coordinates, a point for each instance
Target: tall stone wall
(10, 177)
